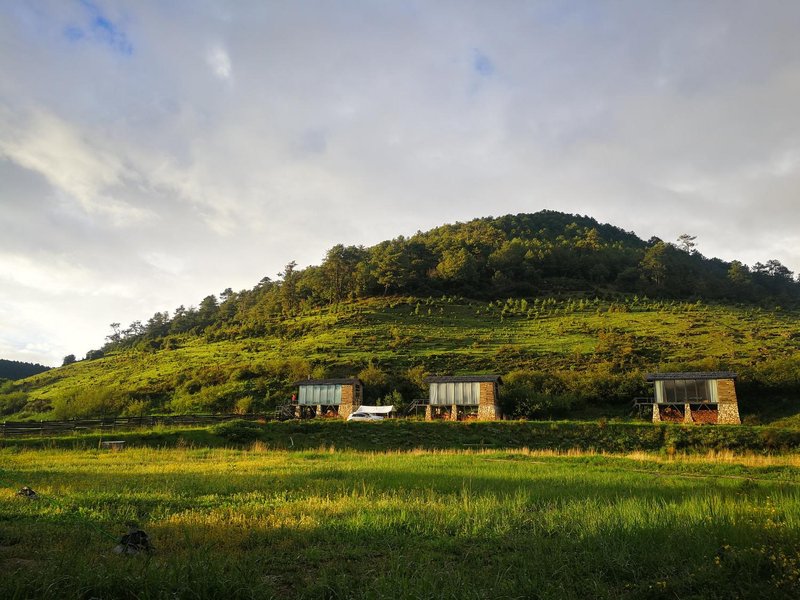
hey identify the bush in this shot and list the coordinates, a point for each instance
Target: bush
(12, 402)
(91, 402)
(534, 394)
(244, 405)
(137, 408)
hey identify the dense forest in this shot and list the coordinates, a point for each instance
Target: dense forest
(526, 255)
(14, 369)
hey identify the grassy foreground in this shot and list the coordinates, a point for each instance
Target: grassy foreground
(421, 524)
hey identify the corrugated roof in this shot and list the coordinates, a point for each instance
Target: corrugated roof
(691, 375)
(463, 379)
(350, 381)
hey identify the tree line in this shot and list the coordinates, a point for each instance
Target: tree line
(14, 369)
(523, 255)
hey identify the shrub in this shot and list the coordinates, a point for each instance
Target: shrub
(137, 408)
(534, 394)
(91, 402)
(244, 405)
(12, 402)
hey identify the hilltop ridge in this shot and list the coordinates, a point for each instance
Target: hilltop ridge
(526, 255)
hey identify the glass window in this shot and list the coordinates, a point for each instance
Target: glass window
(455, 392)
(312, 395)
(683, 391)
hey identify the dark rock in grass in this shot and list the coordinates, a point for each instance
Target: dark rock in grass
(28, 493)
(134, 542)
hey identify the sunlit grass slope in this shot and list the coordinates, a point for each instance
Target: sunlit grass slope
(449, 335)
(316, 524)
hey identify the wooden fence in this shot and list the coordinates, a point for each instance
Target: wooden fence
(47, 428)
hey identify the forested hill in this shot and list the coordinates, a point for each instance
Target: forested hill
(572, 313)
(13, 369)
(515, 256)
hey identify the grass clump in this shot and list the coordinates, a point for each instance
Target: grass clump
(238, 431)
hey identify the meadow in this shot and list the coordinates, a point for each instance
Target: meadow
(255, 522)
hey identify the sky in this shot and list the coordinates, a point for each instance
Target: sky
(152, 153)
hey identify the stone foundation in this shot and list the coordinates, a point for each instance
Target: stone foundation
(489, 412)
(728, 405)
(454, 413)
(729, 414)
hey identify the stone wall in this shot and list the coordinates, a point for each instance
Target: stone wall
(488, 409)
(726, 390)
(350, 400)
(687, 413)
(487, 393)
(728, 404)
(488, 412)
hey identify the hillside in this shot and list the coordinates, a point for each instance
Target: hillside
(571, 354)
(572, 312)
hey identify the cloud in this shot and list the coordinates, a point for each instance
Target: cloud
(43, 143)
(220, 63)
(137, 176)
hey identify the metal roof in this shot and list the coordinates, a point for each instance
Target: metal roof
(464, 379)
(691, 375)
(350, 381)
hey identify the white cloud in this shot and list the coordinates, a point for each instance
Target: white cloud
(73, 164)
(138, 180)
(220, 62)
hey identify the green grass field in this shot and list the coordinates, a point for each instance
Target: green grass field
(260, 523)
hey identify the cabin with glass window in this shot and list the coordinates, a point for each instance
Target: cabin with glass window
(329, 397)
(695, 397)
(464, 397)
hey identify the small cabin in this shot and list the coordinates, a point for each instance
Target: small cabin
(329, 397)
(706, 397)
(463, 397)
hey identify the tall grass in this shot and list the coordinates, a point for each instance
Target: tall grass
(418, 524)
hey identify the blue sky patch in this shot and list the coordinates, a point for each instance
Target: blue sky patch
(482, 64)
(74, 34)
(100, 29)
